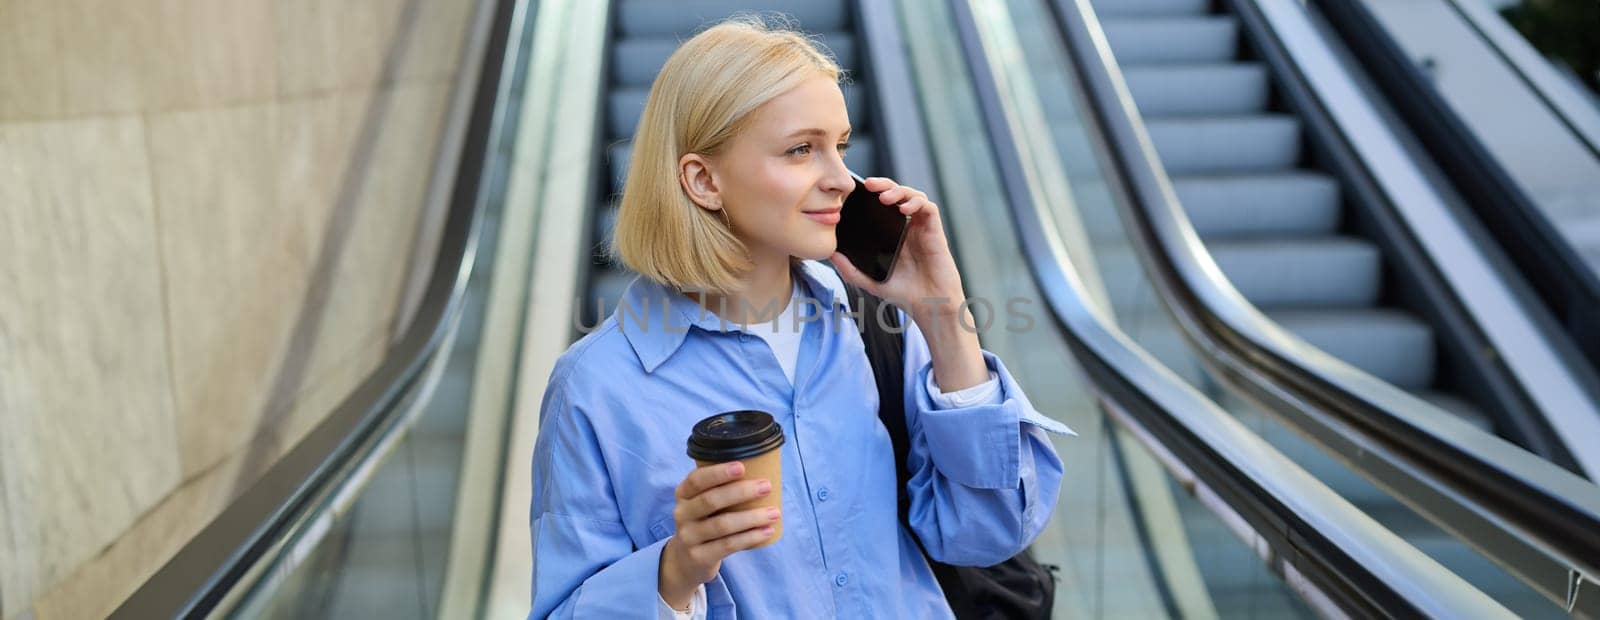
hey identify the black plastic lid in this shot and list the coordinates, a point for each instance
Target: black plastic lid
(733, 436)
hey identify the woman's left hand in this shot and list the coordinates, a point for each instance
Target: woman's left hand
(925, 270)
(926, 283)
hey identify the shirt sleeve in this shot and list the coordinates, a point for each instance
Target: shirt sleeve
(697, 607)
(984, 475)
(585, 563)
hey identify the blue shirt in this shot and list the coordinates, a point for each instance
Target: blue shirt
(611, 451)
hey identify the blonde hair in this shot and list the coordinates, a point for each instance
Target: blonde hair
(701, 99)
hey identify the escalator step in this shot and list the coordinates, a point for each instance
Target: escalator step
(1288, 204)
(626, 104)
(1394, 346)
(636, 61)
(1318, 272)
(1226, 144)
(683, 18)
(1150, 7)
(1199, 90)
(1202, 38)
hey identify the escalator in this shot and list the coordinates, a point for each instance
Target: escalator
(1274, 215)
(1271, 223)
(1275, 221)
(1279, 226)
(1178, 507)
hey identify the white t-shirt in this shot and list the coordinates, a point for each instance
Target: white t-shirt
(783, 335)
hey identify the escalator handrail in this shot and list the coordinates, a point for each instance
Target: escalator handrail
(1565, 283)
(899, 127)
(1488, 487)
(1349, 560)
(212, 563)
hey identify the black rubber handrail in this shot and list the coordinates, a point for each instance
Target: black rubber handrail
(1350, 561)
(1562, 280)
(1539, 521)
(209, 566)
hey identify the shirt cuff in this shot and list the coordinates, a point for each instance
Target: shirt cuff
(986, 393)
(697, 607)
(980, 445)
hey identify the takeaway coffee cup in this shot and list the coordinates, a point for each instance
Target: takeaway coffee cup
(749, 436)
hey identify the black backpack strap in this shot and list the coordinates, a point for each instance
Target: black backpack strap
(886, 354)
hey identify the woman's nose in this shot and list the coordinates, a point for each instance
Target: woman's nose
(838, 177)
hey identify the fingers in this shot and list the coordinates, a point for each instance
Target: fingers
(878, 184)
(900, 194)
(703, 478)
(853, 276)
(909, 200)
(728, 524)
(713, 551)
(728, 545)
(917, 205)
(717, 498)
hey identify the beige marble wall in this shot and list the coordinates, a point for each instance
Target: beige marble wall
(207, 212)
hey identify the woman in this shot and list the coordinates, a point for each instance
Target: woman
(731, 199)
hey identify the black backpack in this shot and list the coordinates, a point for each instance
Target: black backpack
(1016, 588)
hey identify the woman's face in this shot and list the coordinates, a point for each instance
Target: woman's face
(783, 179)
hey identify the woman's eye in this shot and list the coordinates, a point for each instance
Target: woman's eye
(844, 146)
(800, 150)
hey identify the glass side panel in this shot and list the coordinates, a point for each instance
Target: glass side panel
(384, 551)
(384, 555)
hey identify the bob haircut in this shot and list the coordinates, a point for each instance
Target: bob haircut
(700, 100)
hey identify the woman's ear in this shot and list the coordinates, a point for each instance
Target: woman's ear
(694, 174)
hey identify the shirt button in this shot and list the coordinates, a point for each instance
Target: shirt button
(842, 580)
(822, 494)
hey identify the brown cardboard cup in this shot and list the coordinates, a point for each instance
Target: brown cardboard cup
(749, 436)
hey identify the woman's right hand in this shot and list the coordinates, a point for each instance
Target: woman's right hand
(705, 533)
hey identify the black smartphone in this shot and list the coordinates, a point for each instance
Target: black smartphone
(870, 232)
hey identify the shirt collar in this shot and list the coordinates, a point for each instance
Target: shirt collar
(656, 318)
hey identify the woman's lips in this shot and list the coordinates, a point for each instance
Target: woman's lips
(826, 218)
